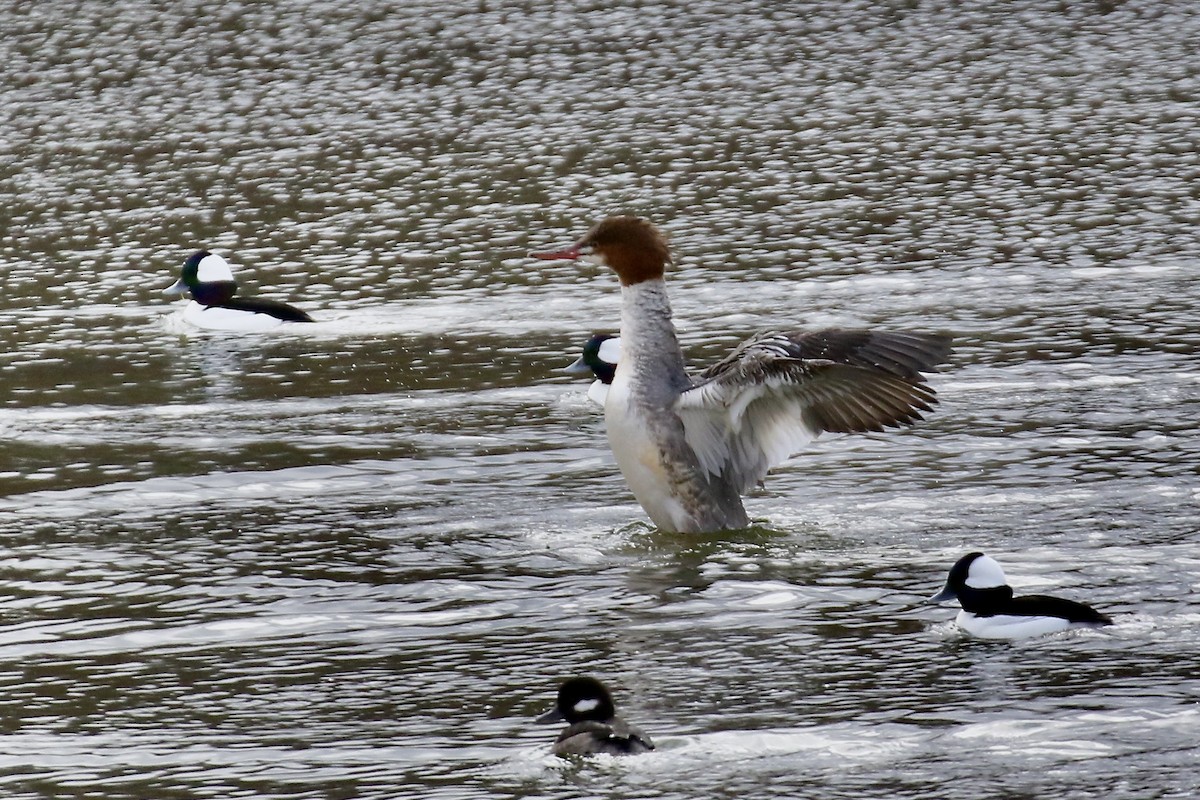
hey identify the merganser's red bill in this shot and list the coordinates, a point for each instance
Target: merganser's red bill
(567, 253)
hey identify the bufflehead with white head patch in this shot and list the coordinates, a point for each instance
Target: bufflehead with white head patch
(209, 279)
(593, 726)
(689, 448)
(990, 611)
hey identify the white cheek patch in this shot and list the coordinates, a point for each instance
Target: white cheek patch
(584, 706)
(212, 269)
(610, 350)
(985, 573)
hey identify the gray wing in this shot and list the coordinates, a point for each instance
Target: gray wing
(777, 392)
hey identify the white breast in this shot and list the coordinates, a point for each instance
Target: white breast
(639, 457)
(598, 393)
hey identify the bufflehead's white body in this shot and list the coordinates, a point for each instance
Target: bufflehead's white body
(990, 611)
(209, 279)
(1004, 626)
(689, 449)
(216, 318)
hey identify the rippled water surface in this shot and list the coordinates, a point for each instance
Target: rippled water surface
(353, 559)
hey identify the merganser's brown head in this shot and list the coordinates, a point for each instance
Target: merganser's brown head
(630, 246)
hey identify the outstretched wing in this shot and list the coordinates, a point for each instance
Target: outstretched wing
(777, 392)
(905, 355)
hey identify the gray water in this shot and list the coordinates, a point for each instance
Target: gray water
(353, 559)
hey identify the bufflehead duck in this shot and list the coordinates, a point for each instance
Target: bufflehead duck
(600, 355)
(209, 279)
(689, 448)
(592, 723)
(990, 611)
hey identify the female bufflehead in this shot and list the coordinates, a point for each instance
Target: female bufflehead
(990, 611)
(689, 448)
(592, 722)
(209, 279)
(600, 355)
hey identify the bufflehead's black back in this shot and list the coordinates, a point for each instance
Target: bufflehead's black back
(990, 611)
(593, 726)
(209, 279)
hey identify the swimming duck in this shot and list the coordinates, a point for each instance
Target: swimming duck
(593, 726)
(690, 448)
(990, 611)
(209, 279)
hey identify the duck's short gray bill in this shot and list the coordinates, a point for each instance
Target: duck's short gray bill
(577, 368)
(553, 715)
(945, 594)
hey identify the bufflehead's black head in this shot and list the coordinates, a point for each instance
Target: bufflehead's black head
(976, 581)
(208, 277)
(600, 354)
(593, 725)
(581, 699)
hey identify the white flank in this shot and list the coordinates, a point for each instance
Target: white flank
(215, 318)
(1008, 627)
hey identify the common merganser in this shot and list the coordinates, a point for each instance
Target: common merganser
(209, 279)
(599, 357)
(593, 726)
(689, 448)
(990, 611)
